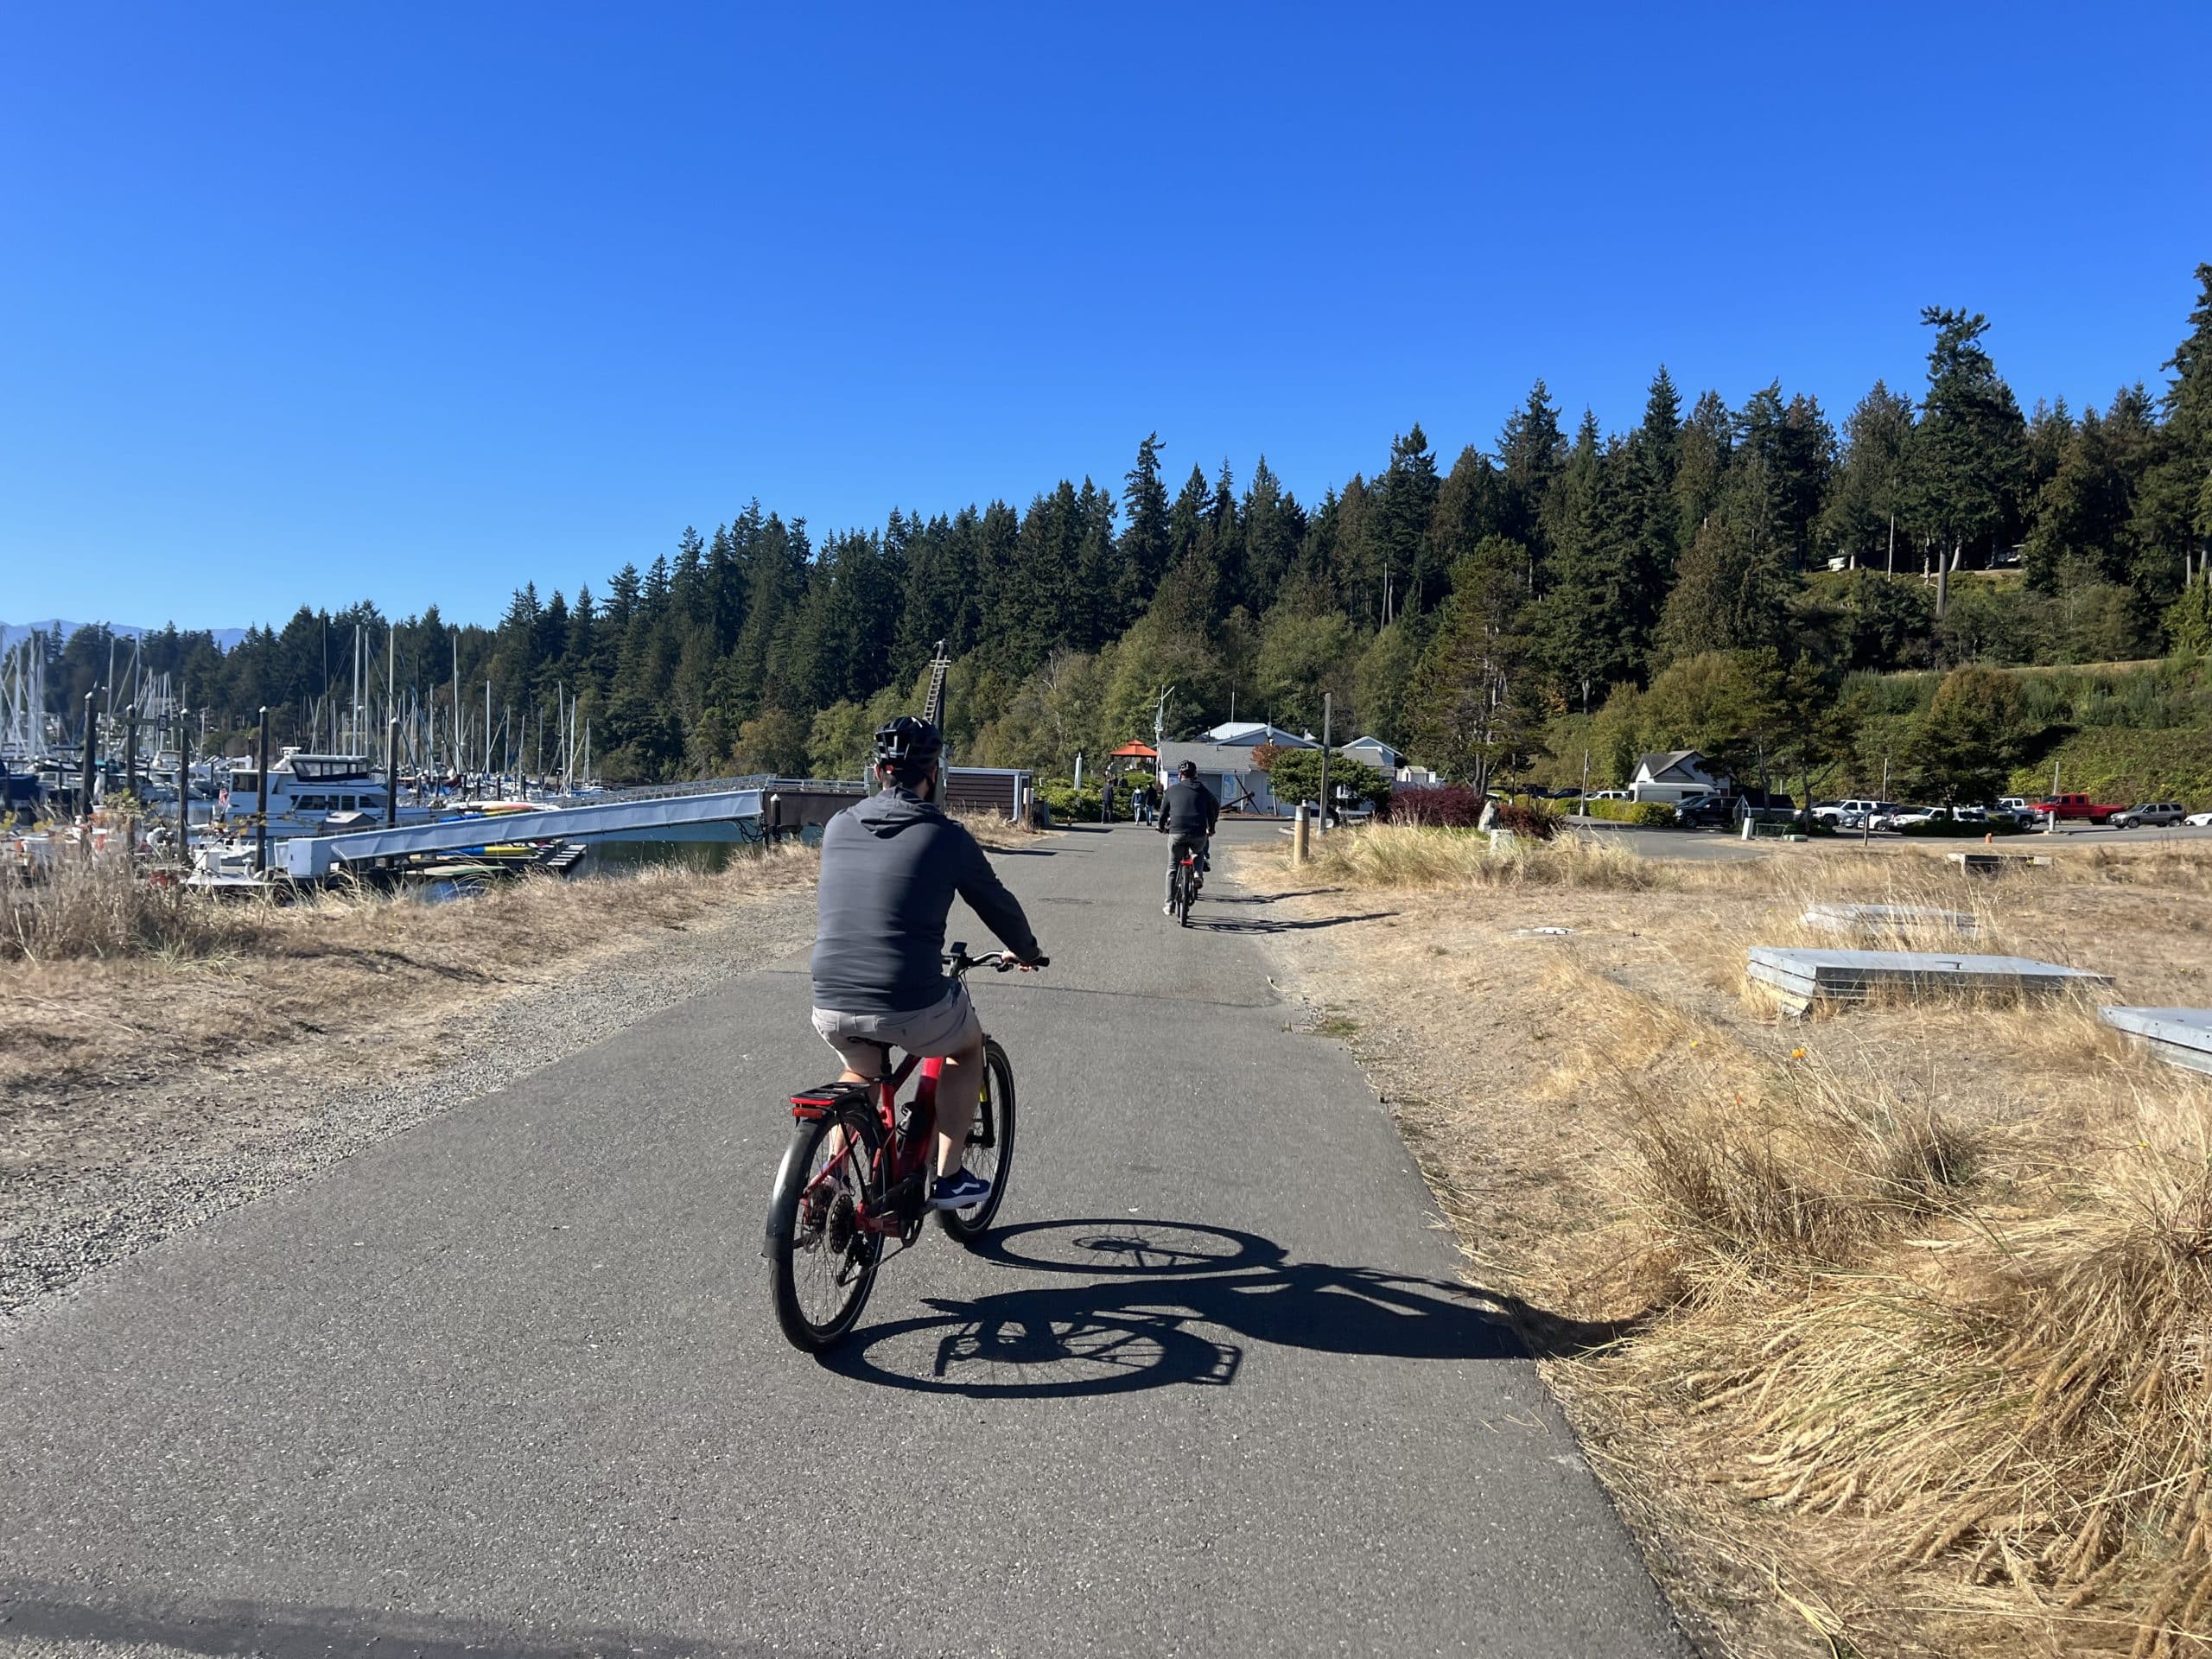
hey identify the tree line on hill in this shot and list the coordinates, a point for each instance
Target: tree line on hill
(1484, 614)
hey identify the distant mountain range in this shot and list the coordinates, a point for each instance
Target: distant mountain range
(12, 633)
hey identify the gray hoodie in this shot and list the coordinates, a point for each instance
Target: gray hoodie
(890, 867)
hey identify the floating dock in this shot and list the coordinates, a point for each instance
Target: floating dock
(2177, 1036)
(1799, 978)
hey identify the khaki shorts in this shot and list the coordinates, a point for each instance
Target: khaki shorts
(862, 1039)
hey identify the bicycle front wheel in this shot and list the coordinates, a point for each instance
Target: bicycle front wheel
(990, 1145)
(822, 1261)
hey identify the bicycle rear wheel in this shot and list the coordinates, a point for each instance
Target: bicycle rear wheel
(990, 1145)
(821, 1262)
(1184, 892)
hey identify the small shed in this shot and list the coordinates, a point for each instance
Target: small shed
(1003, 789)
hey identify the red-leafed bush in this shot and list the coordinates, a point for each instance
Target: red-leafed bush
(1446, 806)
(1532, 822)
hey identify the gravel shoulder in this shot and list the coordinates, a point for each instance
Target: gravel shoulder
(92, 1173)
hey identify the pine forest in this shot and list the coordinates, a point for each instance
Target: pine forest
(1937, 586)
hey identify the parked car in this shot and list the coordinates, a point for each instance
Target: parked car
(1905, 816)
(2021, 808)
(2199, 820)
(1854, 814)
(2076, 806)
(1707, 809)
(2149, 815)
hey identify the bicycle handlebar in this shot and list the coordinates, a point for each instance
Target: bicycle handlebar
(1003, 962)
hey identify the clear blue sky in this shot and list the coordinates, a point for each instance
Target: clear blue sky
(314, 302)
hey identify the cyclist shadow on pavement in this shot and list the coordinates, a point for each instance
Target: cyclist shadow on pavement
(1162, 1305)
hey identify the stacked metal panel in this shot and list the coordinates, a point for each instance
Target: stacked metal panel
(2177, 1036)
(1799, 978)
(1888, 919)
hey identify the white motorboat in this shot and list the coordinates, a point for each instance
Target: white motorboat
(306, 792)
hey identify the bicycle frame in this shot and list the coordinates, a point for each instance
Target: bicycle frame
(907, 1157)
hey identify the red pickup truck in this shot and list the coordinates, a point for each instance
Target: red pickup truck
(2077, 806)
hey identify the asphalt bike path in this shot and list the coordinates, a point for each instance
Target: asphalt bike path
(509, 1384)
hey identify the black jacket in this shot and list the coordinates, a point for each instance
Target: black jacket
(890, 867)
(1188, 810)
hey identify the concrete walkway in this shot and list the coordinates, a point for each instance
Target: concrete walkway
(509, 1384)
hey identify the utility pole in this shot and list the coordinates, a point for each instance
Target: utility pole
(1328, 710)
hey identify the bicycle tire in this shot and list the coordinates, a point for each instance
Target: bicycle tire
(1184, 894)
(995, 1120)
(849, 1264)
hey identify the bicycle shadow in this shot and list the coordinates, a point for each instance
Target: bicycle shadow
(1162, 1306)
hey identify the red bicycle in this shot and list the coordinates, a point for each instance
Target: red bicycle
(1190, 876)
(858, 1172)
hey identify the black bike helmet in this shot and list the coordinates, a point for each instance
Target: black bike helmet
(1188, 769)
(908, 746)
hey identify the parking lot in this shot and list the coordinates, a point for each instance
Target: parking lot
(1725, 843)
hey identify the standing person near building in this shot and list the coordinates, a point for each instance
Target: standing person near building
(1106, 805)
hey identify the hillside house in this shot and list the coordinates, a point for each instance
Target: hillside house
(1675, 775)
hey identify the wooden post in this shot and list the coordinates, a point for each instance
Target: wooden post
(1302, 846)
(261, 795)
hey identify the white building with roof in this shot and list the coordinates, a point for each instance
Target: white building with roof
(1675, 775)
(1250, 733)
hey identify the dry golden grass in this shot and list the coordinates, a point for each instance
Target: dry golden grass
(124, 978)
(1407, 855)
(993, 830)
(1913, 1304)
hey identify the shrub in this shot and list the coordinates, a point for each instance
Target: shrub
(1532, 822)
(1651, 815)
(1446, 807)
(1070, 805)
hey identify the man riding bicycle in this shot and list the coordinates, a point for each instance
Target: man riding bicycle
(1188, 814)
(890, 867)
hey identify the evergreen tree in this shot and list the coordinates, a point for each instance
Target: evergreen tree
(1652, 461)
(1399, 526)
(1861, 518)
(1735, 583)
(1478, 713)
(1706, 446)
(1585, 625)
(1274, 529)
(1970, 454)
(1145, 545)
(1530, 452)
